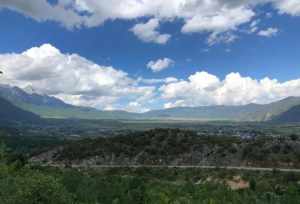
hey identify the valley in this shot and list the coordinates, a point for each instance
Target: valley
(214, 154)
(149, 102)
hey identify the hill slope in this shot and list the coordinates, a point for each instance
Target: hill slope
(10, 112)
(51, 107)
(176, 147)
(290, 116)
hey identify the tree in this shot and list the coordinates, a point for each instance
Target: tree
(33, 188)
(3, 152)
(294, 137)
(253, 184)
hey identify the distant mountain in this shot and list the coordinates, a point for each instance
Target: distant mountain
(10, 112)
(250, 112)
(290, 116)
(51, 107)
(17, 95)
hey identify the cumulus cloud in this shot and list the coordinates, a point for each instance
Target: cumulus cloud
(269, 32)
(80, 81)
(71, 77)
(202, 89)
(160, 64)
(147, 32)
(291, 7)
(221, 20)
(42, 10)
(213, 17)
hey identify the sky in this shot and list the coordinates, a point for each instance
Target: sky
(140, 55)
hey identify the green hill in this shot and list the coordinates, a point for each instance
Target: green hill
(175, 147)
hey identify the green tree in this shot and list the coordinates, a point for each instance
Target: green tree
(3, 152)
(253, 184)
(33, 188)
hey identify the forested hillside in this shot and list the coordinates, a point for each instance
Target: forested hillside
(177, 147)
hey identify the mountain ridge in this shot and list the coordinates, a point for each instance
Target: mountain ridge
(51, 107)
(249, 112)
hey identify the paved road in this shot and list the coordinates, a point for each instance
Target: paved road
(184, 167)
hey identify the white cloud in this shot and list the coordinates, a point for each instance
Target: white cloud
(254, 26)
(216, 38)
(81, 82)
(291, 7)
(160, 64)
(136, 107)
(203, 88)
(270, 32)
(71, 78)
(222, 19)
(170, 80)
(42, 10)
(147, 32)
(213, 17)
(178, 103)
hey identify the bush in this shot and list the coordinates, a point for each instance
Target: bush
(33, 188)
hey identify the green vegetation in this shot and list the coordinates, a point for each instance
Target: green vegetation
(178, 147)
(23, 182)
(36, 185)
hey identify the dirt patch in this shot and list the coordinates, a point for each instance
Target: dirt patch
(237, 183)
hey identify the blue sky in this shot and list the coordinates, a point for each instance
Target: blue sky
(270, 50)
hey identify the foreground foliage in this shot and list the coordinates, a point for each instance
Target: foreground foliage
(22, 183)
(28, 185)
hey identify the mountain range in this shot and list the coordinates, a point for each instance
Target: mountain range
(51, 107)
(250, 112)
